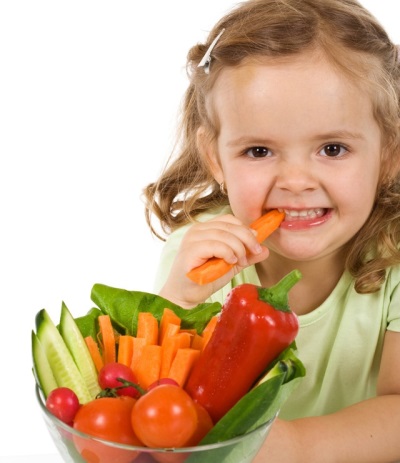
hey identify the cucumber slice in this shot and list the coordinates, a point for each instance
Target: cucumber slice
(77, 346)
(62, 364)
(41, 367)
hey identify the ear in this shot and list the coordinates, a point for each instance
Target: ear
(207, 148)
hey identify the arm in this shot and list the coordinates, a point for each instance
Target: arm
(365, 432)
(225, 237)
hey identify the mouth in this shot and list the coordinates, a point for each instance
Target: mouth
(292, 215)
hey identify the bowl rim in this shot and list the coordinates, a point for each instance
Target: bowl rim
(198, 448)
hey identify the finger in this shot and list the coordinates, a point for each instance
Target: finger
(240, 238)
(199, 252)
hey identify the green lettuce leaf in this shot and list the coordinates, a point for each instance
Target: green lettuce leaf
(123, 306)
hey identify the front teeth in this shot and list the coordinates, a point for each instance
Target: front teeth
(303, 213)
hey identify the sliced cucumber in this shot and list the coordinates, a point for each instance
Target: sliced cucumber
(77, 346)
(62, 364)
(41, 367)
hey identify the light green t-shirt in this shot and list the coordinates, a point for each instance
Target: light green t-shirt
(340, 342)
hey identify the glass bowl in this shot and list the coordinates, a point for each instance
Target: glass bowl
(240, 449)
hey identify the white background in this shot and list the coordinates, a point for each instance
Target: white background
(89, 94)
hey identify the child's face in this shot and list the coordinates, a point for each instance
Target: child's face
(297, 135)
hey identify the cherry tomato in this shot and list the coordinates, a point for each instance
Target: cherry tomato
(108, 378)
(108, 418)
(204, 425)
(164, 417)
(163, 381)
(63, 403)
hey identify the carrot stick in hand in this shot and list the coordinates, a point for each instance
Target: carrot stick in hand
(215, 267)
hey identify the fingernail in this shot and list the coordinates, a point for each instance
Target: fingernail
(232, 260)
(257, 249)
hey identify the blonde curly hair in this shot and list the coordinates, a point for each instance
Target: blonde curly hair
(354, 41)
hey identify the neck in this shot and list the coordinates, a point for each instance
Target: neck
(319, 278)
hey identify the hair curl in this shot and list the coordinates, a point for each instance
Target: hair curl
(356, 43)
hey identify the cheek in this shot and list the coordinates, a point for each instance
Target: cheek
(247, 197)
(357, 195)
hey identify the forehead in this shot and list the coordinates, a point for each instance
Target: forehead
(290, 89)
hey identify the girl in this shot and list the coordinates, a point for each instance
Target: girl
(294, 105)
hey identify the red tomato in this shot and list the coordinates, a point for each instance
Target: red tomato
(108, 418)
(63, 403)
(164, 417)
(204, 425)
(163, 381)
(108, 378)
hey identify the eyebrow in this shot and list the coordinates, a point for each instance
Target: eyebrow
(248, 141)
(340, 134)
(337, 134)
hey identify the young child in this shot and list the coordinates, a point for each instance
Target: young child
(294, 105)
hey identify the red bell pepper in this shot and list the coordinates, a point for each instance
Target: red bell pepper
(254, 327)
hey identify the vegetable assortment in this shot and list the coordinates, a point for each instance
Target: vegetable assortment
(133, 365)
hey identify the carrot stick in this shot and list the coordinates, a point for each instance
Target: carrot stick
(147, 327)
(170, 330)
(182, 364)
(138, 345)
(267, 224)
(170, 347)
(94, 353)
(191, 331)
(197, 342)
(148, 367)
(209, 328)
(215, 267)
(107, 339)
(168, 316)
(184, 339)
(125, 350)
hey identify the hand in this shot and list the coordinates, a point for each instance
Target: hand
(225, 237)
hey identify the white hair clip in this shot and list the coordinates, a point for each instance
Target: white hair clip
(206, 60)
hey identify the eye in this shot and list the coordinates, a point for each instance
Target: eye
(333, 150)
(258, 152)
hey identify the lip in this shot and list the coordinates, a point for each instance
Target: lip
(302, 223)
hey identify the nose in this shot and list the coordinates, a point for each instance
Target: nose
(296, 176)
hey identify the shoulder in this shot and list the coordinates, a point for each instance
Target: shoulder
(384, 303)
(392, 277)
(392, 295)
